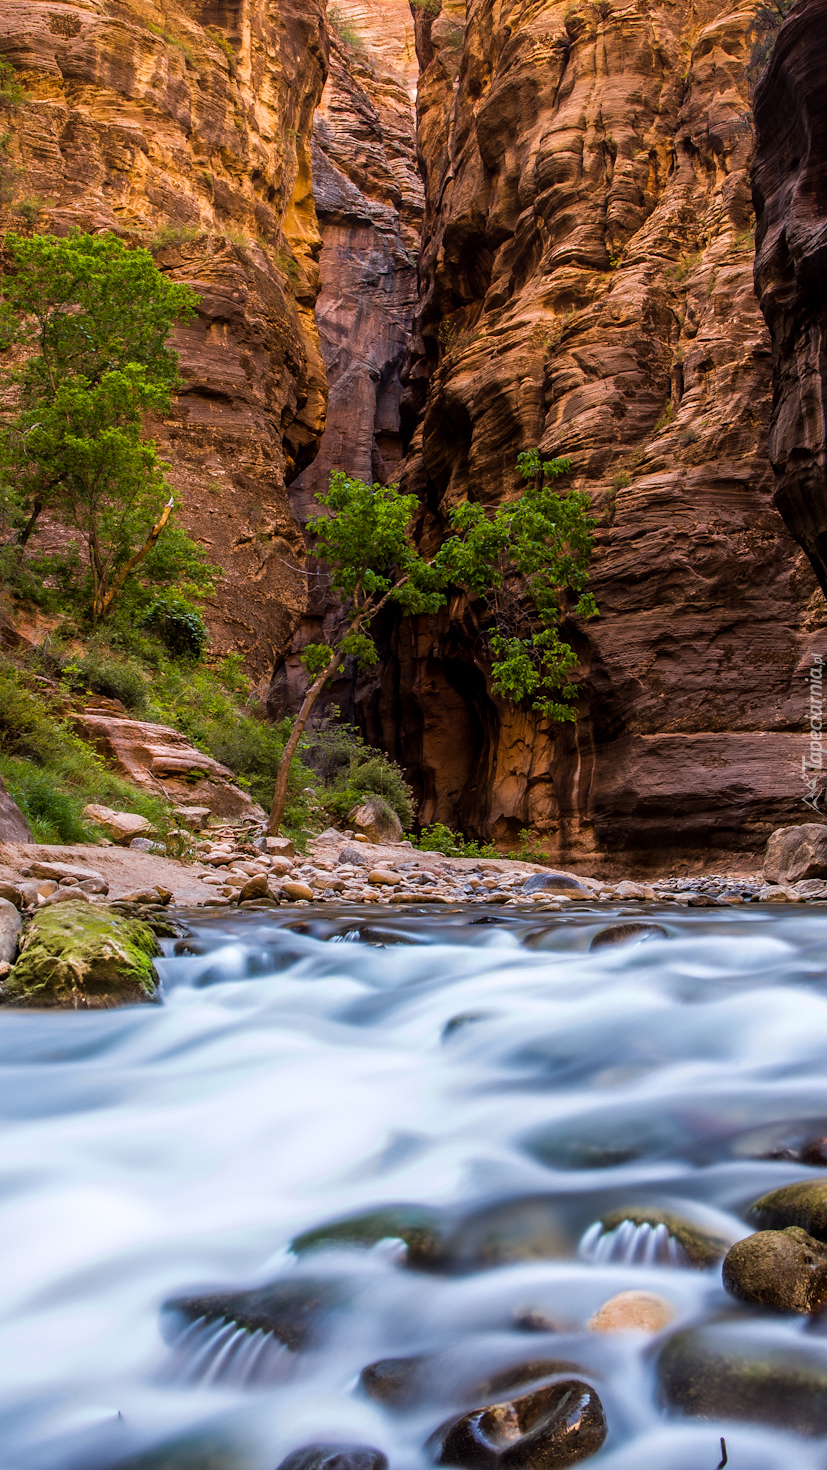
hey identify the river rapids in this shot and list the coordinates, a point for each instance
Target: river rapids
(509, 1075)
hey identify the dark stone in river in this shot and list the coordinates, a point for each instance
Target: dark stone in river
(556, 883)
(719, 1373)
(802, 1204)
(335, 1457)
(701, 1247)
(528, 1228)
(394, 1382)
(551, 1427)
(627, 934)
(293, 1311)
(605, 1139)
(785, 1269)
(420, 1229)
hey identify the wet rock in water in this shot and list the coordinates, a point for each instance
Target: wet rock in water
(802, 1204)
(717, 1373)
(648, 1234)
(10, 925)
(335, 1457)
(794, 853)
(394, 1382)
(627, 934)
(421, 1230)
(293, 1312)
(604, 1140)
(518, 1375)
(533, 1319)
(814, 1152)
(81, 956)
(786, 1269)
(633, 1311)
(553, 1426)
(524, 1229)
(556, 883)
(374, 819)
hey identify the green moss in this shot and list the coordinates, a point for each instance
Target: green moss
(84, 956)
(420, 1228)
(702, 1248)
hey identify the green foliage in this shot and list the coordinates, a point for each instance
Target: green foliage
(173, 235)
(766, 23)
(349, 770)
(439, 838)
(98, 671)
(345, 29)
(92, 318)
(178, 625)
(30, 209)
(528, 850)
(51, 773)
(224, 45)
(428, 7)
(666, 418)
(315, 658)
(11, 92)
(543, 540)
(620, 480)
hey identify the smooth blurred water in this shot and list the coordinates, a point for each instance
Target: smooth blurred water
(313, 1063)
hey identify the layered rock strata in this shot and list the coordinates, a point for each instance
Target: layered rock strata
(187, 128)
(586, 285)
(369, 201)
(790, 194)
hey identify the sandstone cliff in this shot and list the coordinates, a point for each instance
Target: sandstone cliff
(790, 192)
(369, 202)
(187, 127)
(586, 285)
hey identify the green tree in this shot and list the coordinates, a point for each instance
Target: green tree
(521, 561)
(90, 320)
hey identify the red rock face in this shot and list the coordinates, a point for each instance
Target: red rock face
(790, 193)
(188, 129)
(586, 285)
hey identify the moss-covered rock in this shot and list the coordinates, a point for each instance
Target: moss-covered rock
(420, 1228)
(785, 1269)
(702, 1248)
(83, 956)
(719, 1373)
(802, 1204)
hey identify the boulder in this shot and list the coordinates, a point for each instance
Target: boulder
(394, 1382)
(281, 847)
(12, 893)
(721, 1372)
(699, 1246)
(73, 894)
(565, 883)
(13, 824)
(786, 1269)
(77, 955)
(374, 820)
(10, 924)
(255, 887)
(328, 836)
(383, 877)
(633, 1311)
(794, 853)
(335, 1457)
(156, 757)
(802, 1204)
(551, 1427)
(59, 871)
(421, 1230)
(353, 856)
(120, 826)
(294, 889)
(627, 934)
(294, 1311)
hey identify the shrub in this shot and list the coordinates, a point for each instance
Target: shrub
(178, 625)
(106, 674)
(52, 814)
(439, 838)
(350, 770)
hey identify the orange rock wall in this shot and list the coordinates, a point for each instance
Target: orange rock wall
(187, 127)
(586, 285)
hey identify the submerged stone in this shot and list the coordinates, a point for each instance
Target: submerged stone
(293, 1312)
(84, 956)
(712, 1373)
(701, 1248)
(193, 1452)
(394, 1382)
(785, 1269)
(627, 934)
(421, 1230)
(523, 1229)
(551, 1427)
(335, 1457)
(802, 1204)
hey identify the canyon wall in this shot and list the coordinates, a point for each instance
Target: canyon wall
(790, 194)
(369, 201)
(187, 128)
(586, 286)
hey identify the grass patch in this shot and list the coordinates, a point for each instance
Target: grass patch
(439, 838)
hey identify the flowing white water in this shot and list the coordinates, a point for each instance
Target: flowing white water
(498, 1071)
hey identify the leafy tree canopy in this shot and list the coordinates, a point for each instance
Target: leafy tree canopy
(84, 324)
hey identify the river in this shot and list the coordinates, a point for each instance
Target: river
(307, 1065)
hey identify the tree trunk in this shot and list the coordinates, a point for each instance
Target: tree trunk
(104, 600)
(280, 793)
